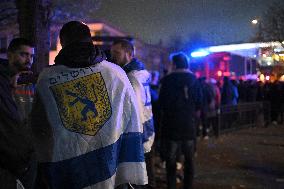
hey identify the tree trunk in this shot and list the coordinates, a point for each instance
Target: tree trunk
(34, 25)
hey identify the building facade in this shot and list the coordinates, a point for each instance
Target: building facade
(155, 57)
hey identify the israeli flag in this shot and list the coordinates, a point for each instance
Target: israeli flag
(92, 137)
(140, 81)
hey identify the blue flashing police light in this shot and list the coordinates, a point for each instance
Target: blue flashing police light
(196, 54)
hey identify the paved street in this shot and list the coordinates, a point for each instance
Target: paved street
(246, 159)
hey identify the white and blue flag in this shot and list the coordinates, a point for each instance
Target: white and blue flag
(140, 80)
(92, 137)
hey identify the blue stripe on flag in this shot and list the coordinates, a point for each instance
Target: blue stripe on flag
(148, 130)
(96, 166)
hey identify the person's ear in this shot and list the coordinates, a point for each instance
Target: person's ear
(129, 56)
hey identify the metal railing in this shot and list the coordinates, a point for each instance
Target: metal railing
(243, 115)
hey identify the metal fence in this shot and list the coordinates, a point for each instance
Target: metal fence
(243, 115)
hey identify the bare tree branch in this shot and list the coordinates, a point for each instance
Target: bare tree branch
(273, 23)
(8, 12)
(72, 9)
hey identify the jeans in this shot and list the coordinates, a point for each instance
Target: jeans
(187, 149)
(29, 179)
(150, 166)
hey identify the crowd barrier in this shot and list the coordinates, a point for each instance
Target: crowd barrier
(243, 115)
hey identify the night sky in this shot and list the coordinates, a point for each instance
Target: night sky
(217, 21)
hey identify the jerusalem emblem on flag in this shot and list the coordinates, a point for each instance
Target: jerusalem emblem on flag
(83, 104)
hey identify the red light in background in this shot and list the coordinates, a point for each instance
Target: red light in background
(227, 74)
(226, 58)
(219, 73)
(222, 65)
(197, 74)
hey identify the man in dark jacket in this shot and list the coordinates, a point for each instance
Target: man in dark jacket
(15, 146)
(180, 101)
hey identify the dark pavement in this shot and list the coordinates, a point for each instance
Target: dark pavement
(247, 159)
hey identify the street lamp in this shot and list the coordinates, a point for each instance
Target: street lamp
(259, 34)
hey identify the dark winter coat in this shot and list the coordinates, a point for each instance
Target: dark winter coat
(180, 98)
(15, 146)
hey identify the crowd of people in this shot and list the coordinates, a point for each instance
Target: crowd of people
(90, 125)
(272, 92)
(97, 123)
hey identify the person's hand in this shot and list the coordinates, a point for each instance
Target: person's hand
(14, 79)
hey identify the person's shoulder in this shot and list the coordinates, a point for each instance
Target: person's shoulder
(111, 67)
(48, 71)
(3, 61)
(4, 70)
(189, 74)
(112, 70)
(168, 77)
(191, 77)
(140, 74)
(183, 74)
(3, 64)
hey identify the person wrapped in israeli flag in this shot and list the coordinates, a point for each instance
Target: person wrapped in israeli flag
(140, 80)
(122, 54)
(85, 119)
